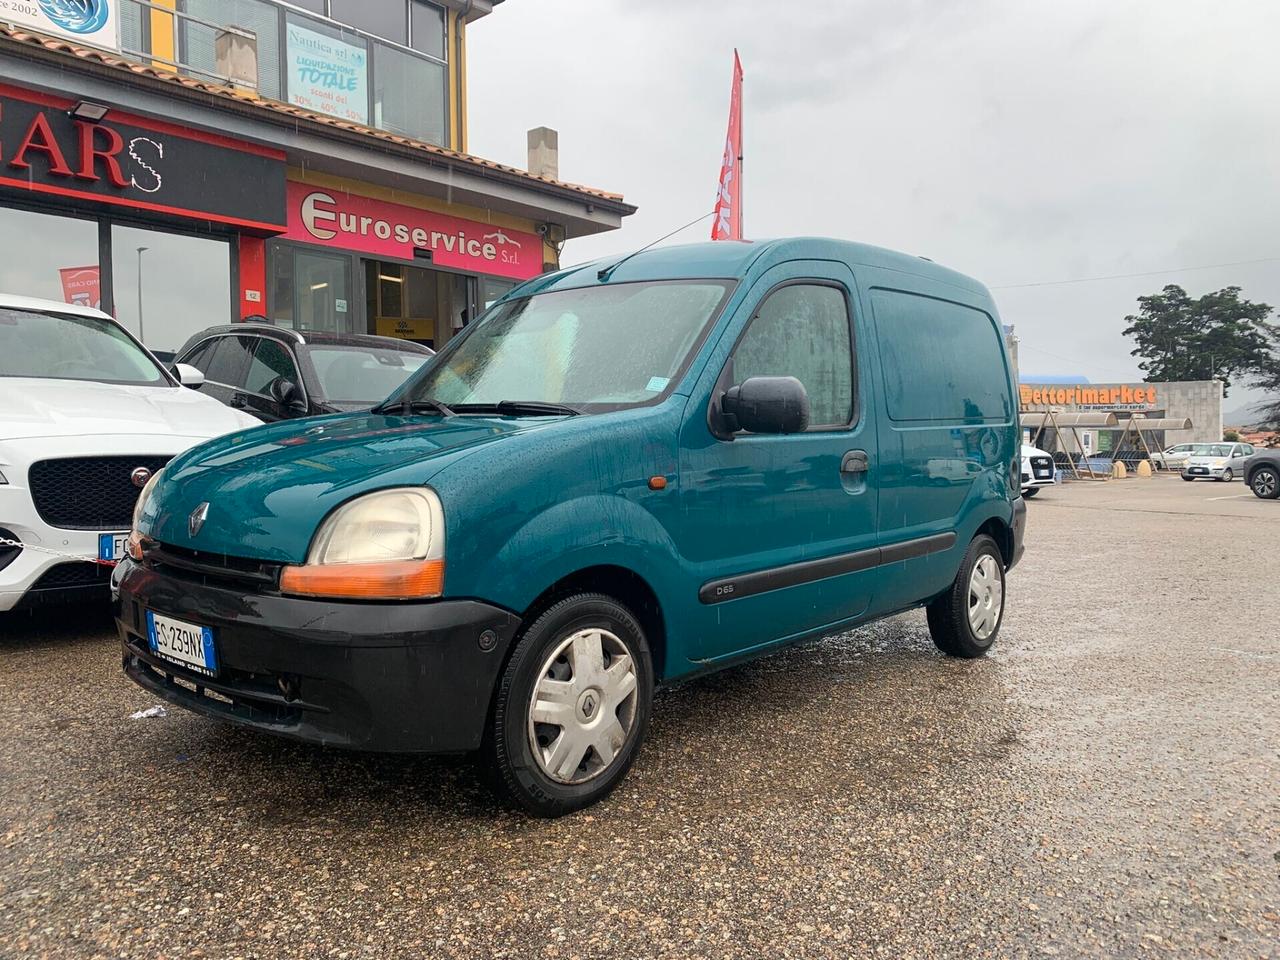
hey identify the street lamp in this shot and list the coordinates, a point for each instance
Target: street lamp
(141, 251)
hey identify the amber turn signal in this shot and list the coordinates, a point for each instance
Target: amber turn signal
(396, 580)
(658, 482)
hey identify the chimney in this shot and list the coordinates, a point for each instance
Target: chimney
(544, 153)
(235, 52)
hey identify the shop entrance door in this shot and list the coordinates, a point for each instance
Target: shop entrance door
(312, 291)
(416, 303)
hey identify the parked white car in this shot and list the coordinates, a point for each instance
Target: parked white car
(1216, 461)
(1037, 470)
(86, 416)
(1175, 457)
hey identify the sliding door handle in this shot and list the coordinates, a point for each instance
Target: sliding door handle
(855, 461)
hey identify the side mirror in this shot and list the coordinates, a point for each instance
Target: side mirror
(287, 393)
(188, 375)
(767, 405)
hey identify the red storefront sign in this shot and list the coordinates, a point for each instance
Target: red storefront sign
(81, 286)
(334, 218)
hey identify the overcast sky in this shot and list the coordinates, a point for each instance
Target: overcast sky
(1018, 141)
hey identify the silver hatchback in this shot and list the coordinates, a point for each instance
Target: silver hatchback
(1216, 461)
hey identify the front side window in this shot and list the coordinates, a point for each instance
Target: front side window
(62, 346)
(229, 359)
(594, 348)
(271, 362)
(802, 331)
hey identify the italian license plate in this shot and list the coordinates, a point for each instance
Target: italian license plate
(111, 546)
(186, 643)
(1199, 470)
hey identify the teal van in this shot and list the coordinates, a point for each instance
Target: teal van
(621, 475)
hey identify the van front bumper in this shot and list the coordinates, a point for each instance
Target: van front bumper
(411, 677)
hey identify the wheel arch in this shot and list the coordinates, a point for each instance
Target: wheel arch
(621, 584)
(1001, 533)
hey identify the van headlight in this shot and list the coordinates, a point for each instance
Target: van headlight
(136, 536)
(387, 545)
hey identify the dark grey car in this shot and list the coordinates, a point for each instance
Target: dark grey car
(1262, 473)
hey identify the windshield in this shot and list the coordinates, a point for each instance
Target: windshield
(605, 347)
(1211, 450)
(62, 346)
(353, 374)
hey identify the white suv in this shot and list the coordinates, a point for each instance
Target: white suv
(1037, 470)
(86, 416)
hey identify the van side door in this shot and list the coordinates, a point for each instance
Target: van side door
(778, 529)
(948, 431)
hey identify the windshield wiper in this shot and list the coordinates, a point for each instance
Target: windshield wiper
(407, 407)
(536, 407)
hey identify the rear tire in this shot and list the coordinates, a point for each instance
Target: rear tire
(1265, 483)
(965, 621)
(572, 707)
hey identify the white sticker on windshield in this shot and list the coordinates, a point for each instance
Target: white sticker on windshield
(657, 384)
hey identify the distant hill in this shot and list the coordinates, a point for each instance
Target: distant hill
(1246, 416)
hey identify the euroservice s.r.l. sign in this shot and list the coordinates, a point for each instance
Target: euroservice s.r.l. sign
(334, 218)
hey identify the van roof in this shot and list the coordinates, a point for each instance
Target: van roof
(735, 258)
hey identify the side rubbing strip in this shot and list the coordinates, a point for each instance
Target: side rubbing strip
(794, 574)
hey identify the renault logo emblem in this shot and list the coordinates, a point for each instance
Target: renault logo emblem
(140, 476)
(197, 518)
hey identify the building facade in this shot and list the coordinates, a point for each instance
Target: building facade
(185, 163)
(1200, 401)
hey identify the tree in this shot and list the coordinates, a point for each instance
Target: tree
(1214, 337)
(1267, 376)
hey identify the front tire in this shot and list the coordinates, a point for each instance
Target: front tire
(1030, 491)
(572, 706)
(965, 621)
(1265, 483)
(1188, 479)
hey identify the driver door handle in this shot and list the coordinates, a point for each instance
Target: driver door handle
(855, 461)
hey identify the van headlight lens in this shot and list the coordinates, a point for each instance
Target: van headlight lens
(136, 537)
(387, 545)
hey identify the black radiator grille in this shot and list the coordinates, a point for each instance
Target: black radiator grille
(88, 493)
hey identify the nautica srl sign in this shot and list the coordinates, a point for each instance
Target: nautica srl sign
(395, 231)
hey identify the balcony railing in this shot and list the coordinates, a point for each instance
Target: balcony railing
(295, 57)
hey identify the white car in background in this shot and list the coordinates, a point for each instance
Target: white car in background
(1216, 461)
(1175, 457)
(1038, 470)
(87, 415)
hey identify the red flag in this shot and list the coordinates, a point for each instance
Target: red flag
(728, 219)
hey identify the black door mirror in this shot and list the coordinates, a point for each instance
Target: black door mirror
(767, 405)
(288, 394)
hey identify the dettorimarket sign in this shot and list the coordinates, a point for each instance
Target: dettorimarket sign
(1138, 396)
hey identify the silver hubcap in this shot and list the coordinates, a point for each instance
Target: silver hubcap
(986, 597)
(1264, 484)
(583, 706)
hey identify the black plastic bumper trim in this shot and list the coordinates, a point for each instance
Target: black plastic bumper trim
(794, 574)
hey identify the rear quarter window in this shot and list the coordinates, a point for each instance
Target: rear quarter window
(941, 360)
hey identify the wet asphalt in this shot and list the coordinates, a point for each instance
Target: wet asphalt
(1105, 784)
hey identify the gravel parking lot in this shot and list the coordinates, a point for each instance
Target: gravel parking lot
(1105, 784)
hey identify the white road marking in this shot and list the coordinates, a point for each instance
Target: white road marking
(1237, 496)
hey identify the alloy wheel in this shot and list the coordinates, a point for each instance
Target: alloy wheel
(986, 595)
(1264, 484)
(583, 708)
